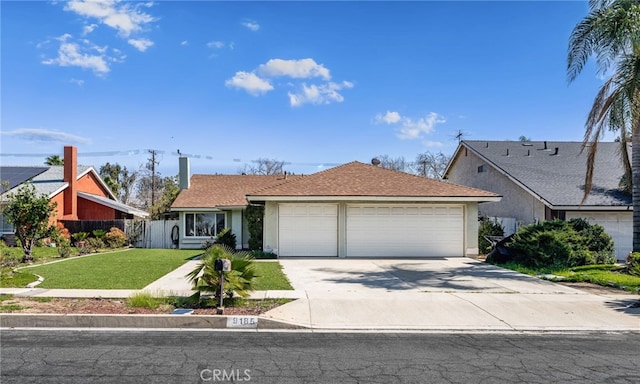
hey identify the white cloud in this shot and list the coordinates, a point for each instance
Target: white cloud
(408, 128)
(318, 94)
(77, 82)
(215, 44)
(38, 134)
(126, 18)
(184, 43)
(297, 69)
(250, 82)
(411, 129)
(388, 118)
(141, 44)
(251, 25)
(72, 54)
(432, 144)
(87, 29)
(324, 91)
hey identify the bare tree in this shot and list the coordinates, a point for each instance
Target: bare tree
(395, 163)
(263, 166)
(431, 165)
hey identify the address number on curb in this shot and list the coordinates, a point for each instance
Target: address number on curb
(242, 322)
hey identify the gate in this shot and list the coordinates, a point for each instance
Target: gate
(153, 233)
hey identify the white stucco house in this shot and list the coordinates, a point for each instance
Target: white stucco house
(352, 210)
(544, 180)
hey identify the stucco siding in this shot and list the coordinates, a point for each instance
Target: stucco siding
(516, 201)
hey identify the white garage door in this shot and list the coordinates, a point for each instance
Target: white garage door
(619, 225)
(308, 230)
(403, 230)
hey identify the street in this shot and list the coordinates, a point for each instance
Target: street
(181, 356)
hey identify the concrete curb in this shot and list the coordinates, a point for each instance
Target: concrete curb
(48, 320)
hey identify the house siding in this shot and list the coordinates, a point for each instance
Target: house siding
(516, 201)
(89, 210)
(89, 184)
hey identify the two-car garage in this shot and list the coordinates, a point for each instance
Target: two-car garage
(371, 230)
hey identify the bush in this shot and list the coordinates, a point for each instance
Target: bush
(254, 215)
(226, 238)
(99, 233)
(94, 244)
(562, 244)
(488, 227)
(633, 263)
(115, 238)
(263, 255)
(206, 279)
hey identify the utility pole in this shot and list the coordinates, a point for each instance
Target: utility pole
(153, 176)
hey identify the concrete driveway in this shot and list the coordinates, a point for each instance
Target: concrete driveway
(442, 294)
(410, 275)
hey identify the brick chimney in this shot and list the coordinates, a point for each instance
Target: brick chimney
(70, 194)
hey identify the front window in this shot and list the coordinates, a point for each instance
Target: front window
(5, 226)
(204, 224)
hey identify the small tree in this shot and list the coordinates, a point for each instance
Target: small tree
(31, 215)
(206, 280)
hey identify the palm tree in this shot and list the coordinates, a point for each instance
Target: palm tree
(54, 160)
(611, 33)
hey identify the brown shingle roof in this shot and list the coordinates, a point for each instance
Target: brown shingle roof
(358, 179)
(208, 191)
(351, 179)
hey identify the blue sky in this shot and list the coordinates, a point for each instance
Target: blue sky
(311, 83)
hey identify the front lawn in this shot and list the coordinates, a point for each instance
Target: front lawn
(131, 269)
(270, 277)
(601, 274)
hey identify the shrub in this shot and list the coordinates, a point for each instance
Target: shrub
(633, 263)
(488, 227)
(79, 237)
(206, 279)
(226, 238)
(99, 233)
(143, 300)
(254, 215)
(94, 244)
(115, 238)
(263, 255)
(562, 244)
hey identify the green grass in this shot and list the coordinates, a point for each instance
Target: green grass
(20, 279)
(270, 277)
(600, 274)
(144, 300)
(132, 269)
(605, 275)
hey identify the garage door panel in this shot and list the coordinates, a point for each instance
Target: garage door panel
(405, 230)
(308, 230)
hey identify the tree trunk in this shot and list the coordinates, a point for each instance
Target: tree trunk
(635, 165)
(27, 247)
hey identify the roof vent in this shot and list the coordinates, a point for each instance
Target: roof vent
(555, 152)
(528, 152)
(375, 161)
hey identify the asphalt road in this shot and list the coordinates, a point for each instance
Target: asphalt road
(138, 356)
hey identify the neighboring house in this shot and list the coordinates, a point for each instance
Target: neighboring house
(353, 210)
(542, 180)
(79, 191)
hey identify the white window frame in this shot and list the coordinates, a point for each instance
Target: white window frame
(206, 229)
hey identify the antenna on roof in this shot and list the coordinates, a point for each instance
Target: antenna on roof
(375, 161)
(460, 135)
